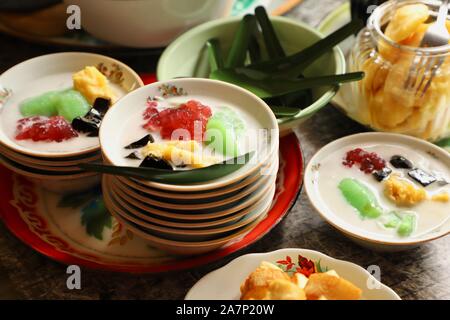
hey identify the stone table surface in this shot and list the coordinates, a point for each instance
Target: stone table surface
(422, 273)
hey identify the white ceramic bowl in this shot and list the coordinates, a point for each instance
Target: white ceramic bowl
(188, 235)
(376, 241)
(224, 283)
(146, 23)
(184, 248)
(117, 119)
(56, 70)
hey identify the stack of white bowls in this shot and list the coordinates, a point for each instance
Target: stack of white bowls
(194, 218)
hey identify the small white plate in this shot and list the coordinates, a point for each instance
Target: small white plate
(376, 241)
(54, 72)
(128, 110)
(224, 283)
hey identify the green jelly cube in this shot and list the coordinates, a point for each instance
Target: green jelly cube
(361, 198)
(223, 131)
(42, 105)
(391, 220)
(72, 104)
(407, 225)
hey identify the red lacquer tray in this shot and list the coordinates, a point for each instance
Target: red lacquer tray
(77, 230)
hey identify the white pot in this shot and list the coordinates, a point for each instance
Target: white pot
(146, 23)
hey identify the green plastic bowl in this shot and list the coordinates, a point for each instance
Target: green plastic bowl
(186, 57)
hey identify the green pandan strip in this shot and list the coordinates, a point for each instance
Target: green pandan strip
(391, 220)
(42, 105)
(361, 198)
(407, 225)
(72, 104)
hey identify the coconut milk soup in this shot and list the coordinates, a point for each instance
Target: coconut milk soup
(164, 130)
(401, 204)
(33, 105)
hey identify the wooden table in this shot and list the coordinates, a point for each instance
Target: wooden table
(422, 273)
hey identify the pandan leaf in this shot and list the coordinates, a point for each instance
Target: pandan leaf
(273, 45)
(238, 51)
(254, 50)
(283, 112)
(264, 86)
(445, 143)
(173, 177)
(293, 65)
(214, 54)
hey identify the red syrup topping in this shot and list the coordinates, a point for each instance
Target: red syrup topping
(191, 116)
(368, 161)
(45, 129)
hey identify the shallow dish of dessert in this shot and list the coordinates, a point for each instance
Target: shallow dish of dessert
(290, 274)
(51, 108)
(385, 191)
(179, 130)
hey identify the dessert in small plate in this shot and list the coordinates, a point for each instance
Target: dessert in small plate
(385, 191)
(290, 274)
(51, 108)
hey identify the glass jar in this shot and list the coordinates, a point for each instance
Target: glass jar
(396, 95)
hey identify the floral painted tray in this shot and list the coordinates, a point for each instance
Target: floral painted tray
(78, 230)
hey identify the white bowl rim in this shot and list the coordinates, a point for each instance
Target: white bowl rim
(271, 152)
(361, 235)
(289, 251)
(74, 54)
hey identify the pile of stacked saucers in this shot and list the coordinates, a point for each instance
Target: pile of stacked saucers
(191, 218)
(54, 171)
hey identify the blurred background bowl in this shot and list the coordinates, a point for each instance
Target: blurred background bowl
(146, 23)
(294, 36)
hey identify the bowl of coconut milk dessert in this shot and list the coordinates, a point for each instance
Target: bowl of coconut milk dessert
(192, 163)
(385, 191)
(51, 108)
